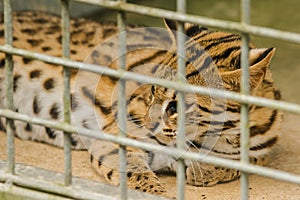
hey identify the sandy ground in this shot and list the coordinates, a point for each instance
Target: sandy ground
(288, 159)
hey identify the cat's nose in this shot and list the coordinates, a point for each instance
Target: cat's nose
(152, 126)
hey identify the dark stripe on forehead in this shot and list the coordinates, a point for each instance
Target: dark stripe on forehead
(211, 37)
(194, 30)
(225, 53)
(220, 39)
(195, 52)
(215, 44)
(199, 36)
(147, 59)
(204, 66)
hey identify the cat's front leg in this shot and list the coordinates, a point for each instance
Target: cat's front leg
(105, 159)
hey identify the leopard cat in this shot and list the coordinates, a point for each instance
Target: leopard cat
(212, 124)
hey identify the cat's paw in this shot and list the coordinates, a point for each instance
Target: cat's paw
(145, 181)
(199, 174)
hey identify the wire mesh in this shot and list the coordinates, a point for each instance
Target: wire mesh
(244, 27)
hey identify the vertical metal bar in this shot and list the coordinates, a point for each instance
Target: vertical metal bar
(65, 24)
(122, 110)
(245, 132)
(180, 140)
(9, 86)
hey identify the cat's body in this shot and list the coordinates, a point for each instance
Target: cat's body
(212, 125)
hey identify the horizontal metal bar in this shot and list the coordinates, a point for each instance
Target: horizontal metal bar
(25, 185)
(290, 107)
(44, 186)
(17, 192)
(171, 151)
(162, 13)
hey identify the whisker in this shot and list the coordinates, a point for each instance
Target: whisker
(191, 143)
(193, 167)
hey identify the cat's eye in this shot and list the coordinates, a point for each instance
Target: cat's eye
(152, 89)
(171, 108)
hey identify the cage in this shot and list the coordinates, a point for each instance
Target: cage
(21, 181)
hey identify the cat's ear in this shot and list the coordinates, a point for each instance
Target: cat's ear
(261, 57)
(260, 60)
(189, 28)
(171, 26)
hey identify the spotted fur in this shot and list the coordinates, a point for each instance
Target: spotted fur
(212, 124)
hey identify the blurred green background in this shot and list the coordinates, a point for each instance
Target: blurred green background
(283, 15)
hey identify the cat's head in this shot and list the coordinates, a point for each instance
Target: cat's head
(212, 60)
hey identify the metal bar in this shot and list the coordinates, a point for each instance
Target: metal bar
(245, 131)
(205, 21)
(9, 81)
(122, 109)
(174, 152)
(52, 188)
(216, 93)
(65, 24)
(180, 138)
